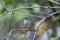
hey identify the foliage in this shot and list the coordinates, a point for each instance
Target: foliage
(8, 21)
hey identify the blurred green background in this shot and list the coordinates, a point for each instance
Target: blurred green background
(14, 20)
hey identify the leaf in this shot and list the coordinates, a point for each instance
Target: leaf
(55, 19)
(1, 7)
(20, 14)
(37, 10)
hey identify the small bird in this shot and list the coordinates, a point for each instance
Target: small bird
(27, 23)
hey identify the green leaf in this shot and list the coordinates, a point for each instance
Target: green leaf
(20, 14)
(37, 10)
(55, 19)
(1, 7)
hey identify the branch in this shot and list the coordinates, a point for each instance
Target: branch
(33, 7)
(37, 26)
(15, 30)
(44, 18)
(30, 14)
(54, 13)
(54, 2)
(41, 21)
(9, 10)
(34, 15)
(3, 5)
(3, 14)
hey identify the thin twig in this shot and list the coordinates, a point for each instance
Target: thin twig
(25, 8)
(3, 5)
(41, 21)
(34, 15)
(54, 2)
(35, 7)
(54, 13)
(15, 30)
(3, 14)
